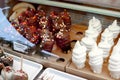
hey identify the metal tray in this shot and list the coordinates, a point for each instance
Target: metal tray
(53, 74)
(30, 67)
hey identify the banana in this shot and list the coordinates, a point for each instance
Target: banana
(22, 5)
(16, 13)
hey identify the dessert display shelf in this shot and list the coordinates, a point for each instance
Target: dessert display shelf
(75, 33)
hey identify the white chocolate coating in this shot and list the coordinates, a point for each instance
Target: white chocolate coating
(88, 42)
(91, 33)
(95, 23)
(114, 63)
(106, 47)
(8, 71)
(1, 78)
(79, 55)
(96, 59)
(114, 28)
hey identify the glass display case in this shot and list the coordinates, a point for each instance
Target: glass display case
(81, 12)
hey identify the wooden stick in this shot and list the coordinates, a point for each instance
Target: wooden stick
(21, 62)
(2, 49)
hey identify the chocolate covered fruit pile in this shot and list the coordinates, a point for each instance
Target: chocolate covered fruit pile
(40, 28)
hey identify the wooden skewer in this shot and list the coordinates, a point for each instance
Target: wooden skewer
(2, 49)
(21, 62)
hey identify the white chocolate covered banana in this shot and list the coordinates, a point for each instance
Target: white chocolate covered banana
(22, 5)
(16, 13)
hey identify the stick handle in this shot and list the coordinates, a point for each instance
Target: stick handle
(2, 49)
(21, 62)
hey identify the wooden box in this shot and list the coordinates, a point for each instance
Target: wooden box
(46, 62)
